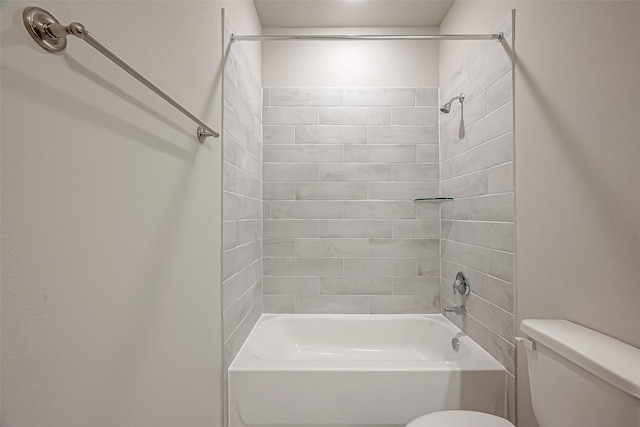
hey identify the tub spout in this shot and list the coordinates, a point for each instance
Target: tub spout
(456, 310)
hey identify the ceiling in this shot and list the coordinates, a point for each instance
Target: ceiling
(352, 13)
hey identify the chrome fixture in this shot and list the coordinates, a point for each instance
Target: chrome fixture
(446, 108)
(298, 37)
(52, 36)
(455, 343)
(456, 310)
(461, 285)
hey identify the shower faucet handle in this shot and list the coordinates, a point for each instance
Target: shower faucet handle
(461, 285)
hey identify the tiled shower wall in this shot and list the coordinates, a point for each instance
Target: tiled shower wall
(341, 232)
(242, 202)
(477, 164)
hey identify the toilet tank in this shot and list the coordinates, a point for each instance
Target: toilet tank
(581, 378)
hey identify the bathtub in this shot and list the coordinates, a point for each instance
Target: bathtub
(358, 370)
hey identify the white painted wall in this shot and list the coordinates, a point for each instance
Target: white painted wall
(577, 104)
(350, 63)
(111, 219)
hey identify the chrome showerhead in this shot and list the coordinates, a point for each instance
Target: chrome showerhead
(446, 108)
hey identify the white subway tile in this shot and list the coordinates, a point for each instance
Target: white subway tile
(404, 304)
(235, 127)
(278, 134)
(354, 172)
(493, 290)
(380, 267)
(427, 210)
(404, 247)
(427, 96)
(239, 335)
(355, 116)
(306, 209)
(498, 123)
(414, 116)
(325, 247)
(290, 115)
(355, 286)
(427, 153)
(452, 147)
(279, 247)
(496, 319)
(236, 233)
(474, 109)
(238, 181)
(332, 304)
(496, 67)
(305, 96)
(338, 134)
(400, 190)
(229, 234)
(238, 258)
(279, 304)
(379, 210)
(455, 209)
(289, 172)
(237, 285)
(416, 172)
(452, 125)
(355, 228)
(236, 206)
(310, 153)
(416, 228)
(234, 99)
(492, 208)
(331, 191)
(378, 96)
(492, 153)
(503, 351)
(240, 309)
(288, 285)
(429, 266)
(474, 184)
(446, 229)
(471, 256)
(501, 178)
(501, 265)
(274, 228)
(500, 92)
(380, 153)
(409, 134)
(493, 235)
(416, 286)
(306, 266)
(278, 190)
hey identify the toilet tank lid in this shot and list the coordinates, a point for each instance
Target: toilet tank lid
(611, 360)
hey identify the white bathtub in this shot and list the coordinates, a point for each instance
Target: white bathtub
(358, 370)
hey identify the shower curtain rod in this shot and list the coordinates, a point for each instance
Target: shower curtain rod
(52, 36)
(273, 37)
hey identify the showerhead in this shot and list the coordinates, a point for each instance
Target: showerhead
(446, 108)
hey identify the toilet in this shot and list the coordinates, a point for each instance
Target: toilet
(578, 378)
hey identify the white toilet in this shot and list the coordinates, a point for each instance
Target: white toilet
(578, 378)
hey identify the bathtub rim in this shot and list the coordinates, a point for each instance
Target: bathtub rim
(246, 362)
